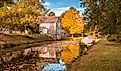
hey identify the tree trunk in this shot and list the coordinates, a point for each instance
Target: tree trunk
(72, 35)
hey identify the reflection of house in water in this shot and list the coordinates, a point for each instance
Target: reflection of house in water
(45, 52)
(51, 26)
(50, 53)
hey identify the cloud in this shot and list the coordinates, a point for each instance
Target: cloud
(14, 1)
(46, 4)
(61, 10)
(80, 9)
(58, 13)
(67, 8)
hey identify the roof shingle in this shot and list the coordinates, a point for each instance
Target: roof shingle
(49, 19)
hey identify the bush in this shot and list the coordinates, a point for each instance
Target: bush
(112, 37)
(83, 48)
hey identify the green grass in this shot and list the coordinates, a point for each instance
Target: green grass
(104, 56)
(15, 42)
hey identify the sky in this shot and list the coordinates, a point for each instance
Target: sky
(60, 6)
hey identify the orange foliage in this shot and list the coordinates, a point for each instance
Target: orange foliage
(72, 22)
(69, 53)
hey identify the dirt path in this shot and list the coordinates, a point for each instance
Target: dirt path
(104, 56)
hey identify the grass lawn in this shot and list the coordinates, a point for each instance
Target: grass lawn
(104, 56)
(17, 42)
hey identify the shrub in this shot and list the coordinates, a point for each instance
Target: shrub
(112, 38)
(83, 48)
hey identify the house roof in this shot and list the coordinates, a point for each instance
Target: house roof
(49, 19)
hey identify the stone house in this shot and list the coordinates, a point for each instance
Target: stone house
(51, 26)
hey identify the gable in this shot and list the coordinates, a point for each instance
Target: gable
(49, 19)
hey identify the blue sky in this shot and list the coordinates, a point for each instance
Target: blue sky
(60, 6)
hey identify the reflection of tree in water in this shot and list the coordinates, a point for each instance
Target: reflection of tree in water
(70, 53)
(31, 62)
(58, 55)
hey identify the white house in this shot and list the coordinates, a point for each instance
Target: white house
(51, 26)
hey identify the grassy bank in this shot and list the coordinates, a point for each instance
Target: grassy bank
(104, 56)
(15, 42)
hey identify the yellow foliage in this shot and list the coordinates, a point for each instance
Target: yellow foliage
(69, 53)
(21, 14)
(72, 22)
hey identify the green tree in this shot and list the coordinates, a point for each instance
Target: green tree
(103, 16)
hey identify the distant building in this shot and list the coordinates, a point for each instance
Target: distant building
(51, 26)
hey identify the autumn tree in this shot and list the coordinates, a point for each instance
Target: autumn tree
(5, 2)
(21, 15)
(37, 4)
(72, 22)
(51, 13)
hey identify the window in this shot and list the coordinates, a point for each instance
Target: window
(44, 31)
